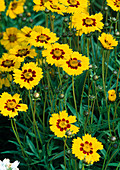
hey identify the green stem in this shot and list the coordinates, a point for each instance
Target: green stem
(46, 20)
(108, 54)
(109, 119)
(103, 78)
(44, 112)
(59, 76)
(106, 157)
(74, 96)
(111, 158)
(64, 152)
(34, 121)
(17, 136)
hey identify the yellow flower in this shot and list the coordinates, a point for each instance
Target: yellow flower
(5, 79)
(114, 4)
(2, 5)
(24, 35)
(87, 23)
(41, 36)
(54, 6)
(9, 105)
(111, 95)
(22, 51)
(62, 123)
(107, 41)
(56, 53)
(29, 76)
(76, 64)
(74, 6)
(10, 38)
(15, 8)
(9, 63)
(86, 148)
(40, 5)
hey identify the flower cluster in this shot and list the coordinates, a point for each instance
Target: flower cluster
(6, 165)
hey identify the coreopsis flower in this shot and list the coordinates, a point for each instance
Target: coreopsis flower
(56, 53)
(10, 38)
(55, 6)
(9, 105)
(107, 41)
(114, 4)
(62, 123)
(29, 76)
(6, 165)
(86, 148)
(111, 95)
(87, 23)
(9, 63)
(22, 51)
(5, 79)
(76, 64)
(2, 5)
(24, 35)
(15, 8)
(40, 5)
(75, 5)
(41, 36)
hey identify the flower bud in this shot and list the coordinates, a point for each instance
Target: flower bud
(115, 72)
(106, 24)
(28, 14)
(65, 20)
(86, 113)
(113, 138)
(90, 66)
(113, 19)
(47, 11)
(95, 77)
(36, 95)
(117, 33)
(30, 20)
(106, 8)
(64, 34)
(24, 19)
(25, 7)
(65, 76)
(115, 145)
(61, 96)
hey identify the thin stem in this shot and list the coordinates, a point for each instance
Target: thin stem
(106, 157)
(109, 119)
(74, 96)
(44, 112)
(103, 78)
(64, 152)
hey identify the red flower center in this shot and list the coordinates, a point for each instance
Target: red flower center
(22, 52)
(28, 75)
(12, 38)
(57, 53)
(42, 38)
(89, 22)
(28, 34)
(117, 3)
(63, 124)
(8, 63)
(11, 105)
(74, 63)
(73, 3)
(108, 43)
(14, 5)
(86, 148)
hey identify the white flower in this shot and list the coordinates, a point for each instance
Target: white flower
(6, 165)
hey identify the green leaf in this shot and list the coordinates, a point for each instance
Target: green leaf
(32, 147)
